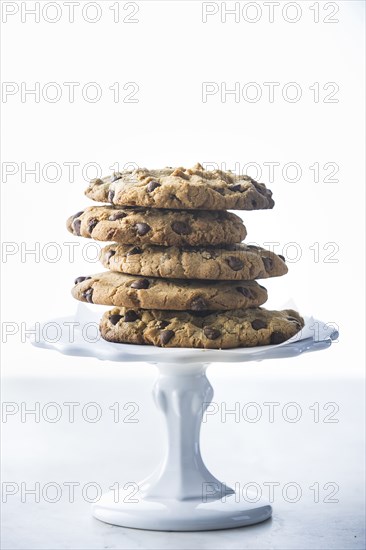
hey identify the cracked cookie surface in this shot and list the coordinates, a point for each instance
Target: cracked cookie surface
(235, 262)
(216, 330)
(181, 188)
(160, 227)
(119, 289)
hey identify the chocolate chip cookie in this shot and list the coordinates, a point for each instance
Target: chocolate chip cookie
(133, 291)
(161, 227)
(218, 330)
(232, 262)
(181, 188)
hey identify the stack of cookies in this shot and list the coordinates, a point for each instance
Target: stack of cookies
(178, 274)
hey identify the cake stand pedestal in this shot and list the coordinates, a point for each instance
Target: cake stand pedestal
(182, 495)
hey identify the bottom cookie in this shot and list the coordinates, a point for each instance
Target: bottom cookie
(215, 330)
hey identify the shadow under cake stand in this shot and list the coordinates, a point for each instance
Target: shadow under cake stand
(182, 495)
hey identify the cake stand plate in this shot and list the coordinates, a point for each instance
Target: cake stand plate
(182, 495)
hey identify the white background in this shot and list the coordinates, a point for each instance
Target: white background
(170, 52)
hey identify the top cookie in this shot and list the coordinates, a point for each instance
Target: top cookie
(181, 188)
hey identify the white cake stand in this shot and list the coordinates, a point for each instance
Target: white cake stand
(182, 495)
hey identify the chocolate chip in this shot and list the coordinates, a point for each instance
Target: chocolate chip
(116, 176)
(91, 224)
(181, 228)
(245, 291)
(133, 251)
(166, 336)
(219, 190)
(261, 188)
(78, 214)
(282, 257)
(81, 279)
(211, 333)
(257, 324)
(131, 316)
(109, 255)
(236, 187)
(235, 263)
(117, 216)
(162, 324)
(76, 224)
(277, 338)
(110, 195)
(140, 284)
(115, 318)
(254, 204)
(88, 295)
(142, 229)
(198, 304)
(152, 185)
(268, 263)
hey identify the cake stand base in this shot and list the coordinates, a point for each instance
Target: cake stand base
(172, 515)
